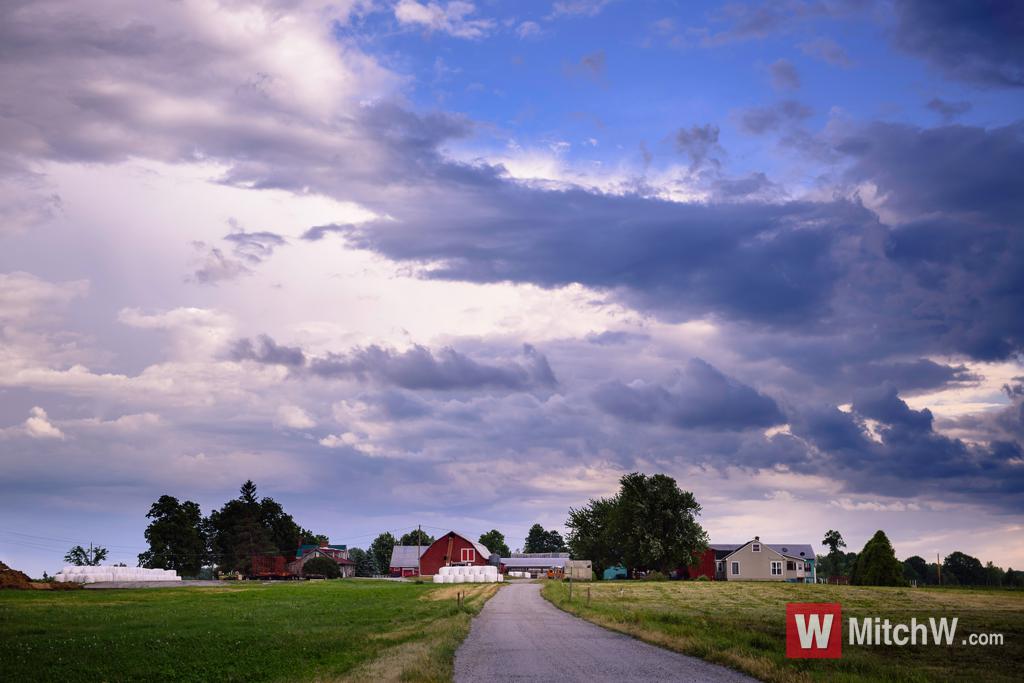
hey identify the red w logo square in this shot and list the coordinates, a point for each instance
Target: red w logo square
(814, 630)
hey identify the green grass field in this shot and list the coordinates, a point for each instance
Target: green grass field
(334, 630)
(742, 625)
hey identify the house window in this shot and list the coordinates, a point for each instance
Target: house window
(790, 566)
(776, 568)
(756, 547)
(735, 568)
(807, 566)
(720, 566)
(468, 555)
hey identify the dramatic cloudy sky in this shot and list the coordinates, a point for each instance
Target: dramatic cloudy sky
(465, 264)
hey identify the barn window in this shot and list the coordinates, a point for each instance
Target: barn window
(720, 566)
(790, 566)
(756, 547)
(735, 568)
(776, 568)
(468, 555)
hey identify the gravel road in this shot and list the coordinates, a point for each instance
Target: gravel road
(520, 636)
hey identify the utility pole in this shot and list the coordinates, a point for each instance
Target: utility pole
(938, 568)
(419, 532)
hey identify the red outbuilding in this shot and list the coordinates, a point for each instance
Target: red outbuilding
(705, 566)
(448, 550)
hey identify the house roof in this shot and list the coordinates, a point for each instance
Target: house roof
(798, 551)
(306, 547)
(332, 553)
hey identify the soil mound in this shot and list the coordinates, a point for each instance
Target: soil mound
(12, 578)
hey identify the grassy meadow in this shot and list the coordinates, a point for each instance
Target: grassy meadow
(742, 625)
(333, 630)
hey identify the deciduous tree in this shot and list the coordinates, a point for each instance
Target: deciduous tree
(176, 537)
(494, 541)
(86, 557)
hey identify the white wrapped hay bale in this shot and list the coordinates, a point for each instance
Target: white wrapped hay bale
(438, 578)
(500, 578)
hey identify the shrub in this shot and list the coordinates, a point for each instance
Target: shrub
(656, 576)
(321, 566)
(702, 577)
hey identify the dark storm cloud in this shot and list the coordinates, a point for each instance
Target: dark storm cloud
(976, 41)
(906, 456)
(701, 397)
(756, 261)
(417, 368)
(420, 368)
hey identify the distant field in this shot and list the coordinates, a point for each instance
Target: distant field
(742, 625)
(335, 630)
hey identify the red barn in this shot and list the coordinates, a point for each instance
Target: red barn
(452, 549)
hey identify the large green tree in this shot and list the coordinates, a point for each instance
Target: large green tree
(650, 524)
(877, 565)
(538, 540)
(494, 541)
(176, 537)
(656, 523)
(380, 550)
(590, 534)
(965, 569)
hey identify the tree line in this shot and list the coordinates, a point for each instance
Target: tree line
(182, 539)
(877, 565)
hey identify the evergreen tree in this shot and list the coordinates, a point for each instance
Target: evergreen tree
(876, 565)
(365, 565)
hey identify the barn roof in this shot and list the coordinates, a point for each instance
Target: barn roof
(405, 555)
(530, 562)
